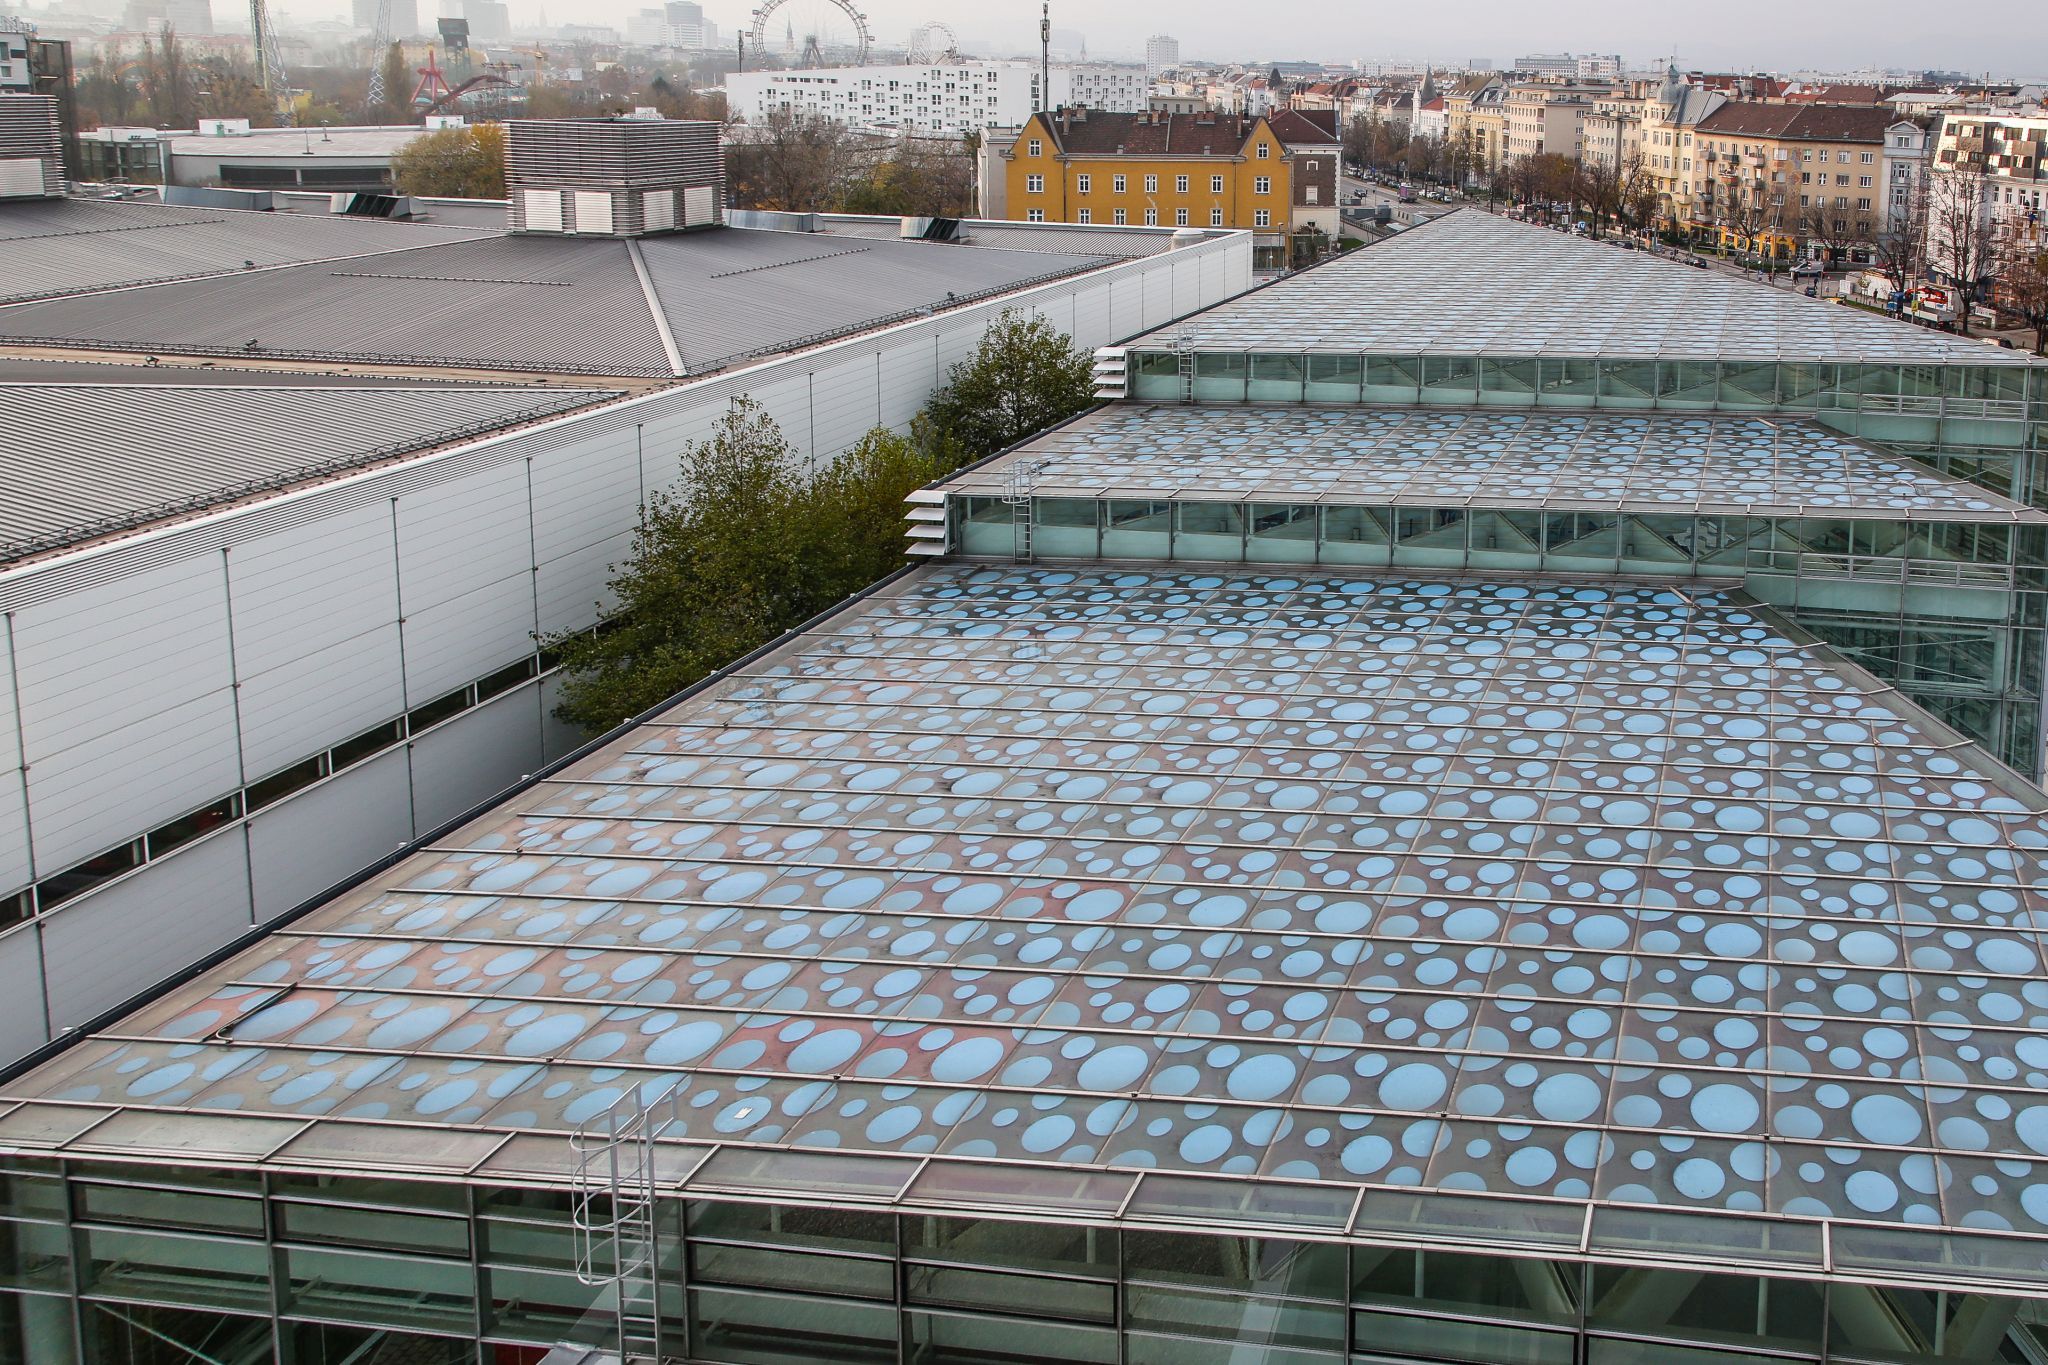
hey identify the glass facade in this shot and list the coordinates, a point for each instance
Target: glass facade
(139, 1265)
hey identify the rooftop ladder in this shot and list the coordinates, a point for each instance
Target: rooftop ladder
(1020, 484)
(612, 1214)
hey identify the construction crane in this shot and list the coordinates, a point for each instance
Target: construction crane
(270, 62)
(380, 42)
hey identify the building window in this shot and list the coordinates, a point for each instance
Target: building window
(1180, 217)
(1032, 148)
(1263, 185)
(1863, 204)
(1151, 217)
(1867, 157)
(1180, 184)
(1308, 194)
(1116, 182)
(1120, 220)
(1085, 216)
(1034, 184)
(1083, 183)
(1151, 184)
(1263, 152)
(1215, 217)
(1262, 218)
(1215, 184)
(1034, 216)
(1864, 181)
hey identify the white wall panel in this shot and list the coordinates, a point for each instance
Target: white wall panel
(458, 536)
(1158, 306)
(843, 406)
(14, 851)
(21, 992)
(103, 948)
(456, 641)
(473, 756)
(310, 703)
(575, 589)
(583, 494)
(299, 848)
(123, 782)
(126, 706)
(1092, 324)
(906, 364)
(300, 591)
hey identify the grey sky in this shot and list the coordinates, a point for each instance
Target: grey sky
(1740, 34)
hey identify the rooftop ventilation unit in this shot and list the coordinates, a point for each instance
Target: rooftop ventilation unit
(613, 177)
(31, 148)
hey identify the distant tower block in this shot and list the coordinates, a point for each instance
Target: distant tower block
(31, 148)
(613, 177)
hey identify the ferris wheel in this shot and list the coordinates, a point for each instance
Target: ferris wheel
(806, 33)
(932, 42)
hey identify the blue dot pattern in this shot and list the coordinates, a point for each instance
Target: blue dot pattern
(1600, 892)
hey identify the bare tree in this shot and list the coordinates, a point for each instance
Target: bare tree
(795, 163)
(2023, 283)
(1961, 241)
(1833, 230)
(1599, 184)
(1635, 195)
(167, 81)
(1899, 250)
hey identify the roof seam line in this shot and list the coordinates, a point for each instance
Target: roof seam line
(668, 338)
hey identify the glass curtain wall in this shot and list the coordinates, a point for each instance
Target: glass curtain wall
(136, 1266)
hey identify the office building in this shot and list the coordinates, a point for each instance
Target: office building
(1367, 848)
(405, 16)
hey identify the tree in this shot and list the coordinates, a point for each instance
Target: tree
(1899, 249)
(1960, 236)
(167, 82)
(397, 106)
(453, 163)
(2023, 279)
(1025, 376)
(741, 550)
(789, 162)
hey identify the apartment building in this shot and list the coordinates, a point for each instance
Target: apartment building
(1161, 170)
(1778, 178)
(1908, 151)
(932, 99)
(1547, 118)
(1998, 159)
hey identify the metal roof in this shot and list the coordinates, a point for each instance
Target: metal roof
(79, 461)
(1557, 898)
(1471, 283)
(62, 246)
(1643, 462)
(549, 303)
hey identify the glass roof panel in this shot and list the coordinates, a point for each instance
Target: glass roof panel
(1527, 889)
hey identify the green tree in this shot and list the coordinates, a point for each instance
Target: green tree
(453, 163)
(397, 106)
(740, 550)
(1025, 376)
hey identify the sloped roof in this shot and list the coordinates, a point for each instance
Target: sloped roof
(1149, 134)
(1800, 122)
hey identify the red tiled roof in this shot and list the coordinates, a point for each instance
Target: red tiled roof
(1798, 122)
(1104, 134)
(1315, 127)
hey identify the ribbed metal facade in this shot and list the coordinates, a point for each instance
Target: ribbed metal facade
(613, 177)
(30, 130)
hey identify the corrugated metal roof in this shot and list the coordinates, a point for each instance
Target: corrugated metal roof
(54, 370)
(84, 460)
(505, 302)
(547, 303)
(1076, 239)
(62, 246)
(736, 293)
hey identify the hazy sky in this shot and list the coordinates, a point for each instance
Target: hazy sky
(1745, 34)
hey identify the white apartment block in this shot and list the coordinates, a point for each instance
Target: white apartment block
(1908, 150)
(2002, 160)
(933, 99)
(1162, 53)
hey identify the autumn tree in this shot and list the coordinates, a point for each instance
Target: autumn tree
(168, 88)
(453, 163)
(790, 162)
(397, 103)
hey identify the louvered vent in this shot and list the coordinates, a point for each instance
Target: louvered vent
(613, 177)
(31, 148)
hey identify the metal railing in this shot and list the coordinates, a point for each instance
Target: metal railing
(612, 1212)
(1884, 569)
(1934, 405)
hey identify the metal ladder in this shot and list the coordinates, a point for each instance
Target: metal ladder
(1019, 483)
(612, 1211)
(1184, 352)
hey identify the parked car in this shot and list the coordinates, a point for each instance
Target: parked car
(1806, 269)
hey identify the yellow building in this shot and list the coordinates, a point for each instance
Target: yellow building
(1203, 170)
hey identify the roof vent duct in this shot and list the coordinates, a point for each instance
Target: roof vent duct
(613, 177)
